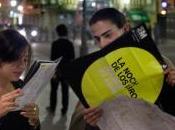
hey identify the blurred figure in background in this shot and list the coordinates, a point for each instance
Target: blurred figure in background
(64, 48)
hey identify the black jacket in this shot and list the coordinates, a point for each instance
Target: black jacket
(64, 48)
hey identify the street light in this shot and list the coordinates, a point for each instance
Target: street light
(34, 33)
(126, 2)
(93, 4)
(164, 6)
(13, 3)
(13, 12)
(163, 12)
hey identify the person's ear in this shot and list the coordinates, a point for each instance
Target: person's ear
(127, 27)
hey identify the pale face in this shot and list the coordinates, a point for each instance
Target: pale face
(13, 70)
(105, 32)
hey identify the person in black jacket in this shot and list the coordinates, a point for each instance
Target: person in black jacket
(14, 58)
(62, 47)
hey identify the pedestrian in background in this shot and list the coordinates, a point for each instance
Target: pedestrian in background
(14, 59)
(64, 48)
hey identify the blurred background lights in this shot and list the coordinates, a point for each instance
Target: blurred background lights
(93, 4)
(20, 8)
(163, 12)
(126, 1)
(13, 3)
(34, 33)
(164, 4)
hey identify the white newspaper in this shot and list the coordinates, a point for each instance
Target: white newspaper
(132, 114)
(36, 84)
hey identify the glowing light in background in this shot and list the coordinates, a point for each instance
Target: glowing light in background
(34, 33)
(13, 3)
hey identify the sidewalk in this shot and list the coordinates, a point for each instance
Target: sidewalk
(55, 122)
(167, 48)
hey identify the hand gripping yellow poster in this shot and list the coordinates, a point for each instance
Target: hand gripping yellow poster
(131, 65)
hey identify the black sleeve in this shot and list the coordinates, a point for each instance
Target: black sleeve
(69, 52)
(53, 49)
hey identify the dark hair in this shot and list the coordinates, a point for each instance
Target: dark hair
(110, 14)
(12, 45)
(61, 30)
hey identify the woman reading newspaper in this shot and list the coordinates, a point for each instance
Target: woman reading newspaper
(14, 58)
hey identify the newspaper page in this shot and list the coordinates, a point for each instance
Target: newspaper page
(126, 113)
(36, 84)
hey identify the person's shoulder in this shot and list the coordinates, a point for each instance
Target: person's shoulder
(65, 41)
(56, 41)
(68, 40)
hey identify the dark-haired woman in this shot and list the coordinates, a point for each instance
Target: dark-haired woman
(14, 58)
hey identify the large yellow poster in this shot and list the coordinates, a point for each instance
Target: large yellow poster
(131, 65)
(127, 71)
